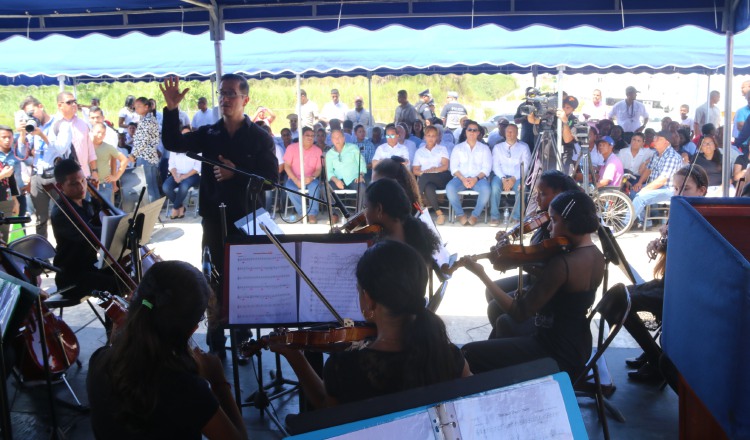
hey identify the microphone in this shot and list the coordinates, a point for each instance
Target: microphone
(14, 220)
(339, 204)
(199, 158)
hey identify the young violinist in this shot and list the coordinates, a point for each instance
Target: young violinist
(649, 296)
(551, 183)
(560, 297)
(387, 205)
(411, 348)
(394, 168)
(150, 384)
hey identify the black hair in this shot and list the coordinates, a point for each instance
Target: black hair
(348, 124)
(577, 211)
(170, 301)
(29, 100)
(559, 181)
(390, 127)
(392, 275)
(717, 157)
(244, 86)
(6, 128)
(638, 134)
(393, 199)
(393, 168)
(708, 128)
(95, 109)
(436, 121)
(285, 129)
(306, 129)
(462, 137)
(696, 172)
(65, 168)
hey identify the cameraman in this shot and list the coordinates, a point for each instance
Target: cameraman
(568, 119)
(521, 117)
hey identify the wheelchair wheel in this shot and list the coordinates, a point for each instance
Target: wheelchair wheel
(616, 211)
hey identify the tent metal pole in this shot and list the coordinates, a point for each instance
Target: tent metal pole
(216, 30)
(369, 97)
(727, 166)
(61, 83)
(560, 75)
(301, 152)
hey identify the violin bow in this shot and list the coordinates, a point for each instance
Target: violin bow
(275, 241)
(522, 190)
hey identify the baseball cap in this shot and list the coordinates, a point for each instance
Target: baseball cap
(571, 101)
(502, 121)
(291, 116)
(334, 91)
(453, 94)
(665, 134)
(606, 139)
(359, 98)
(631, 89)
(425, 92)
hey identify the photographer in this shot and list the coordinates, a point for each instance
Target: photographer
(549, 114)
(521, 117)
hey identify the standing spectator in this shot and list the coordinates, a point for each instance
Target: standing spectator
(334, 109)
(423, 108)
(72, 131)
(497, 135)
(741, 116)
(711, 160)
(507, 158)
(610, 172)
(145, 144)
(471, 163)
(527, 128)
(655, 184)
(629, 113)
(345, 167)
(308, 110)
(109, 161)
(184, 173)
(204, 115)
(359, 116)
(453, 112)
(685, 120)
(595, 110)
(86, 109)
(391, 147)
(708, 113)
(96, 116)
(431, 167)
(366, 148)
(635, 157)
(311, 155)
(405, 112)
(9, 204)
(293, 126)
(127, 113)
(264, 114)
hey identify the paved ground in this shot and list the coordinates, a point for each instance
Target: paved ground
(650, 413)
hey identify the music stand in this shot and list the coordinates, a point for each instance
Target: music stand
(121, 238)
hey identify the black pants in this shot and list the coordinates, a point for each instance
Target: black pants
(431, 182)
(500, 353)
(503, 325)
(646, 297)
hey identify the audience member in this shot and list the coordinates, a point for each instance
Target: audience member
(184, 173)
(204, 115)
(345, 168)
(308, 111)
(471, 164)
(630, 114)
(405, 112)
(311, 155)
(431, 167)
(360, 116)
(708, 112)
(507, 159)
(391, 147)
(610, 171)
(335, 109)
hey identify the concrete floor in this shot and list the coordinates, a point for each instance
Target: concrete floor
(650, 413)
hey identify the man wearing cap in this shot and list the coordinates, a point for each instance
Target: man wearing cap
(629, 113)
(308, 111)
(655, 185)
(334, 109)
(708, 113)
(405, 112)
(610, 172)
(498, 135)
(293, 126)
(423, 108)
(527, 128)
(453, 111)
(359, 116)
(204, 115)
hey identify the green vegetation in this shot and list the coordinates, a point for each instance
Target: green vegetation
(280, 94)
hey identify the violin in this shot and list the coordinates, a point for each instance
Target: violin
(115, 307)
(357, 224)
(529, 224)
(334, 339)
(514, 255)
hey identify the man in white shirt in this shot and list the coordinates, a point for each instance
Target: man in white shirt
(708, 113)
(204, 115)
(334, 109)
(308, 111)
(630, 114)
(359, 116)
(595, 110)
(471, 164)
(391, 147)
(507, 158)
(684, 119)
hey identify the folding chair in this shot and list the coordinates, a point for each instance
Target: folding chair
(613, 308)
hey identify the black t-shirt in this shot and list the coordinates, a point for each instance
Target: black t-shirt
(73, 253)
(527, 128)
(712, 168)
(355, 375)
(184, 407)
(742, 160)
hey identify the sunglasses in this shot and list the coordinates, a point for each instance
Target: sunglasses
(471, 130)
(390, 136)
(71, 102)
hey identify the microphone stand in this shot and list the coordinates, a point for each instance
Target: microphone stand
(133, 238)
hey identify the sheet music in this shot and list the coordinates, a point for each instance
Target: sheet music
(247, 227)
(262, 285)
(441, 256)
(533, 410)
(9, 293)
(414, 427)
(331, 267)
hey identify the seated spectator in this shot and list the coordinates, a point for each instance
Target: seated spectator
(686, 148)
(366, 148)
(740, 165)
(417, 132)
(345, 168)
(471, 164)
(431, 166)
(635, 157)
(616, 135)
(507, 158)
(348, 130)
(610, 172)
(648, 140)
(711, 160)
(321, 139)
(655, 184)
(183, 175)
(377, 136)
(313, 167)
(391, 147)
(403, 137)
(498, 134)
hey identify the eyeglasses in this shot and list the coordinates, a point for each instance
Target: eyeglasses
(390, 136)
(228, 95)
(471, 130)
(70, 102)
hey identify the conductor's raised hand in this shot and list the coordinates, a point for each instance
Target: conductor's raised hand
(171, 91)
(222, 174)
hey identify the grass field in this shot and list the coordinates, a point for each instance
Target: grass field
(280, 94)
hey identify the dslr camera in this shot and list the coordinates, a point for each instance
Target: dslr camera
(31, 122)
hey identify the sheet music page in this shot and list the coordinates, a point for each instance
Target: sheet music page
(262, 285)
(414, 427)
(9, 293)
(529, 411)
(109, 226)
(331, 267)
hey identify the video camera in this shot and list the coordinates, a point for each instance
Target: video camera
(539, 103)
(31, 123)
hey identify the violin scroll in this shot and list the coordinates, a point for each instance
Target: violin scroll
(335, 339)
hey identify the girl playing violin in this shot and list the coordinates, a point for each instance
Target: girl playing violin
(560, 297)
(395, 169)
(149, 384)
(411, 348)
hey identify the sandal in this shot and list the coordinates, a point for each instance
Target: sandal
(440, 220)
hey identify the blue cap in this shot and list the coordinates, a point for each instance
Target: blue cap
(606, 139)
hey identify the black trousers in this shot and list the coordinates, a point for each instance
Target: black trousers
(646, 297)
(503, 325)
(431, 182)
